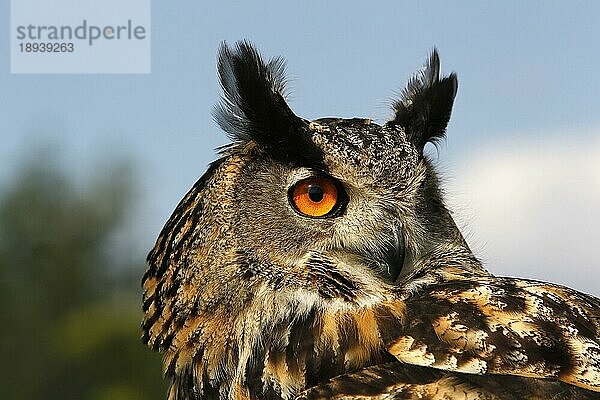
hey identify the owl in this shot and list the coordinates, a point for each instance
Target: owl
(317, 260)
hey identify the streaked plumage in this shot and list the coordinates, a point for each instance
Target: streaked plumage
(252, 297)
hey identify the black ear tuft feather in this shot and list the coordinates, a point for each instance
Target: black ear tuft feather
(425, 105)
(253, 106)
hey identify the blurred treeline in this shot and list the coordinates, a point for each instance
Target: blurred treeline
(70, 291)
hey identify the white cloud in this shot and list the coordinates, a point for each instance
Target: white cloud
(531, 208)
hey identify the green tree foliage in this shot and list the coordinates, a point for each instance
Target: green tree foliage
(69, 293)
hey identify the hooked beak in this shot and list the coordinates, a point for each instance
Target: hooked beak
(395, 254)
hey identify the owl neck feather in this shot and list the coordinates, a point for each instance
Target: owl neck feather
(283, 342)
(287, 340)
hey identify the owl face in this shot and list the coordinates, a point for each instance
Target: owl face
(336, 201)
(343, 188)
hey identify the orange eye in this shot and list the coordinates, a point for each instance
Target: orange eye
(315, 197)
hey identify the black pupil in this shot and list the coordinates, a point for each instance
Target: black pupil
(315, 193)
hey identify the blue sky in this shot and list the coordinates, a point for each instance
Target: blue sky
(528, 89)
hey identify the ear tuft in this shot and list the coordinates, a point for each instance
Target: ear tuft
(253, 106)
(425, 105)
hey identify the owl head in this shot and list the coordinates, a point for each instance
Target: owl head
(296, 215)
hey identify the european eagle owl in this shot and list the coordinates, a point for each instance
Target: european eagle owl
(316, 259)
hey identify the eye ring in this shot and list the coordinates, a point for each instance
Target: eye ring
(317, 197)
